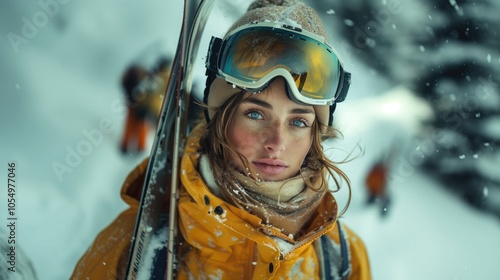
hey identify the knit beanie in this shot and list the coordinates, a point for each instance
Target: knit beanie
(291, 12)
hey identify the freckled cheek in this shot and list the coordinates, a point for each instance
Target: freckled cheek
(243, 140)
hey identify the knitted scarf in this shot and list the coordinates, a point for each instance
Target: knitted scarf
(287, 205)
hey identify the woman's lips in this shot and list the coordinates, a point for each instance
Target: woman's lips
(270, 166)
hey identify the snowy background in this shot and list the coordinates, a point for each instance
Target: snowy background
(61, 95)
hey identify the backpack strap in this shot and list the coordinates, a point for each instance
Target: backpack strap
(333, 259)
(345, 269)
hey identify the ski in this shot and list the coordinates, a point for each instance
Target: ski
(196, 28)
(161, 175)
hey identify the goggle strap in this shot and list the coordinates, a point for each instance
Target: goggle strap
(213, 54)
(330, 116)
(211, 75)
(345, 83)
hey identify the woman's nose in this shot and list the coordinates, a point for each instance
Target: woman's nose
(275, 141)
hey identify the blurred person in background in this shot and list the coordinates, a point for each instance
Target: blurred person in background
(377, 186)
(144, 91)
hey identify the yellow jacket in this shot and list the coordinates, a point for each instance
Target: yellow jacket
(221, 241)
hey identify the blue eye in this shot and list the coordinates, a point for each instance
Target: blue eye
(254, 115)
(299, 123)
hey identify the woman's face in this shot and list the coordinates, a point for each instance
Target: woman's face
(272, 132)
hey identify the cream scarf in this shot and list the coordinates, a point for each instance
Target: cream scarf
(287, 205)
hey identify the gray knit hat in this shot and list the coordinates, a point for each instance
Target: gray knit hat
(284, 11)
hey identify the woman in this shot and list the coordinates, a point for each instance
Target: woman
(255, 201)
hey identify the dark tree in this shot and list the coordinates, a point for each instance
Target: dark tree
(447, 52)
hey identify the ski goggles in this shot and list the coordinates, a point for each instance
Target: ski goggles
(251, 56)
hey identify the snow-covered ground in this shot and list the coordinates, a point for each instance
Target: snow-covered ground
(61, 119)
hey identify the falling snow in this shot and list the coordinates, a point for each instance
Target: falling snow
(66, 79)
